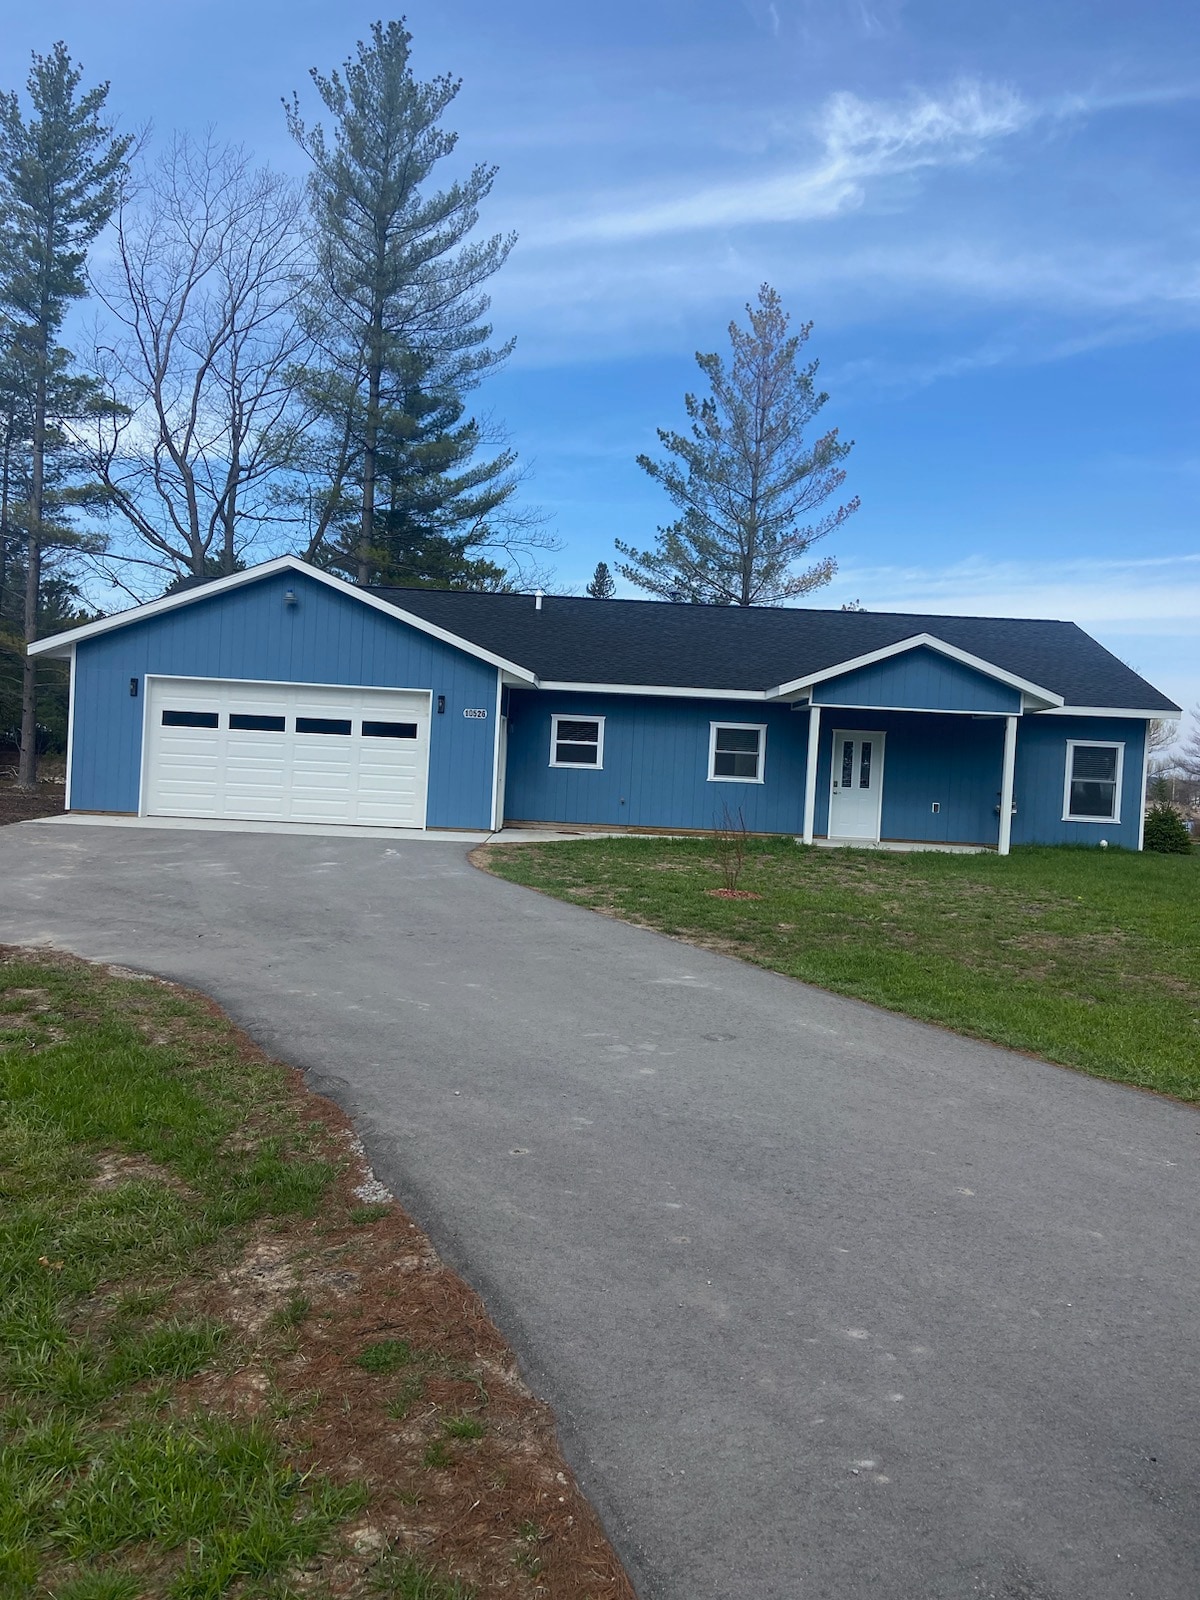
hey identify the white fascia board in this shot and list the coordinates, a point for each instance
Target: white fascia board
(1111, 711)
(929, 641)
(59, 644)
(566, 687)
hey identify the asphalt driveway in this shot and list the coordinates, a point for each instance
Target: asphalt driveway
(829, 1303)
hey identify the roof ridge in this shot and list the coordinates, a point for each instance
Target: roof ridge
(686, 607)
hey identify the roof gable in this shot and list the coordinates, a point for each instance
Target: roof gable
(62, 643)
(922, 641)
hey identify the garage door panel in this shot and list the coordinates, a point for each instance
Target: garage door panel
(255, 764)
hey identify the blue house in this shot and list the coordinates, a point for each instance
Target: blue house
(284, 694)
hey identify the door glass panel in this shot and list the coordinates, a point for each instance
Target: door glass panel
(864, 770)
(322, 725)
(847, 763)
(389, 730)
(250, 722)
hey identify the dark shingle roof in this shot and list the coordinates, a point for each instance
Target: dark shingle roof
(759, 647)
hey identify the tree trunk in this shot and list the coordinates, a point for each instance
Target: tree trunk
(370, 446)
(27, 768)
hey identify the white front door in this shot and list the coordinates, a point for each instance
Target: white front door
(856, 791)
(286, 752)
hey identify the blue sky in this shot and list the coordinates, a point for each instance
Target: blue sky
(990, 214)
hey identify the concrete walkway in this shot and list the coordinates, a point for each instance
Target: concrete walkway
(829, 1304)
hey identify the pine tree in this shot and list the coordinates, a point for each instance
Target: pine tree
(397, 316)
(745, 477)
(602, 586)
(59, 178)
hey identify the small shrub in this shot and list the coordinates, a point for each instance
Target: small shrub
(1166, 831)
(730, 838)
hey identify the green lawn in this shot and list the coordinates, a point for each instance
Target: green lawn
(1088, 958)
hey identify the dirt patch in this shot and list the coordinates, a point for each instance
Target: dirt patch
(732, 894)
(48, 800)
(380, 1365)
(115, 1169)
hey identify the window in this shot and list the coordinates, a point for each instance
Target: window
(248, 722)
(189, 719)
(322, 725)
(389, 730)
(735, 752)
(577, 742)
(1093, 785)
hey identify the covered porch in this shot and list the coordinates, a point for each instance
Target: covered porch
(909, 778)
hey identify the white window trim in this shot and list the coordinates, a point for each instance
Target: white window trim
(577, 766)
(714, 728)
(1093, 744)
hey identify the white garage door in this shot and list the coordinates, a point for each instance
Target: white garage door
(286, 752)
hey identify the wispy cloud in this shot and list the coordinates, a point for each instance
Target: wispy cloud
(856, 141)
(1146, 610)
(1155, 594)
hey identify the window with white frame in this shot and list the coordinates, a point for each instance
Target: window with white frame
(1092, 792)
(736, 752)
(577, 742)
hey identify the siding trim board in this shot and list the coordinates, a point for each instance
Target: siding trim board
(70, 733)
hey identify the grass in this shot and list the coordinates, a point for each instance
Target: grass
(1089, 958)
(141, 1149)
(101, 1460)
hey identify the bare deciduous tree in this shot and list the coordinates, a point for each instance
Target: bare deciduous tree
(200, 358)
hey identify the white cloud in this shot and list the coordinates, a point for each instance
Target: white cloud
(859, 141)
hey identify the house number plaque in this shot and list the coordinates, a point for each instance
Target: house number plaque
(476, 713)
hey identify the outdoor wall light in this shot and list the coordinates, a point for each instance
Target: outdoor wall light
(289, 598)
(441, 705)
(133, 688)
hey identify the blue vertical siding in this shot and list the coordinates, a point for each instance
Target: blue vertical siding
(249, 633)
(1041, 776)
(919, 680)
(655, 764)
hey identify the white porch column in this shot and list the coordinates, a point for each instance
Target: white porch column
(810, 772)
(1006, 783)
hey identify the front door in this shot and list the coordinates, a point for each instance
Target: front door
(857, 785)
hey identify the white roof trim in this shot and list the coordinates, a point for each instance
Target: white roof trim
(568, 686)
(1110, 711)
(60, 644)
(917, 641)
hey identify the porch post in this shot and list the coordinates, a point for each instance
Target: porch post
(1006, 783)
(810, 772)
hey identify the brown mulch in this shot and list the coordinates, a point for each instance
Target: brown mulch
(733, 894)
(17, 805)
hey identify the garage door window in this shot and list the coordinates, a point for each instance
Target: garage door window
(323, 725)
(189, 719)
(389, 730)
(246, 722)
